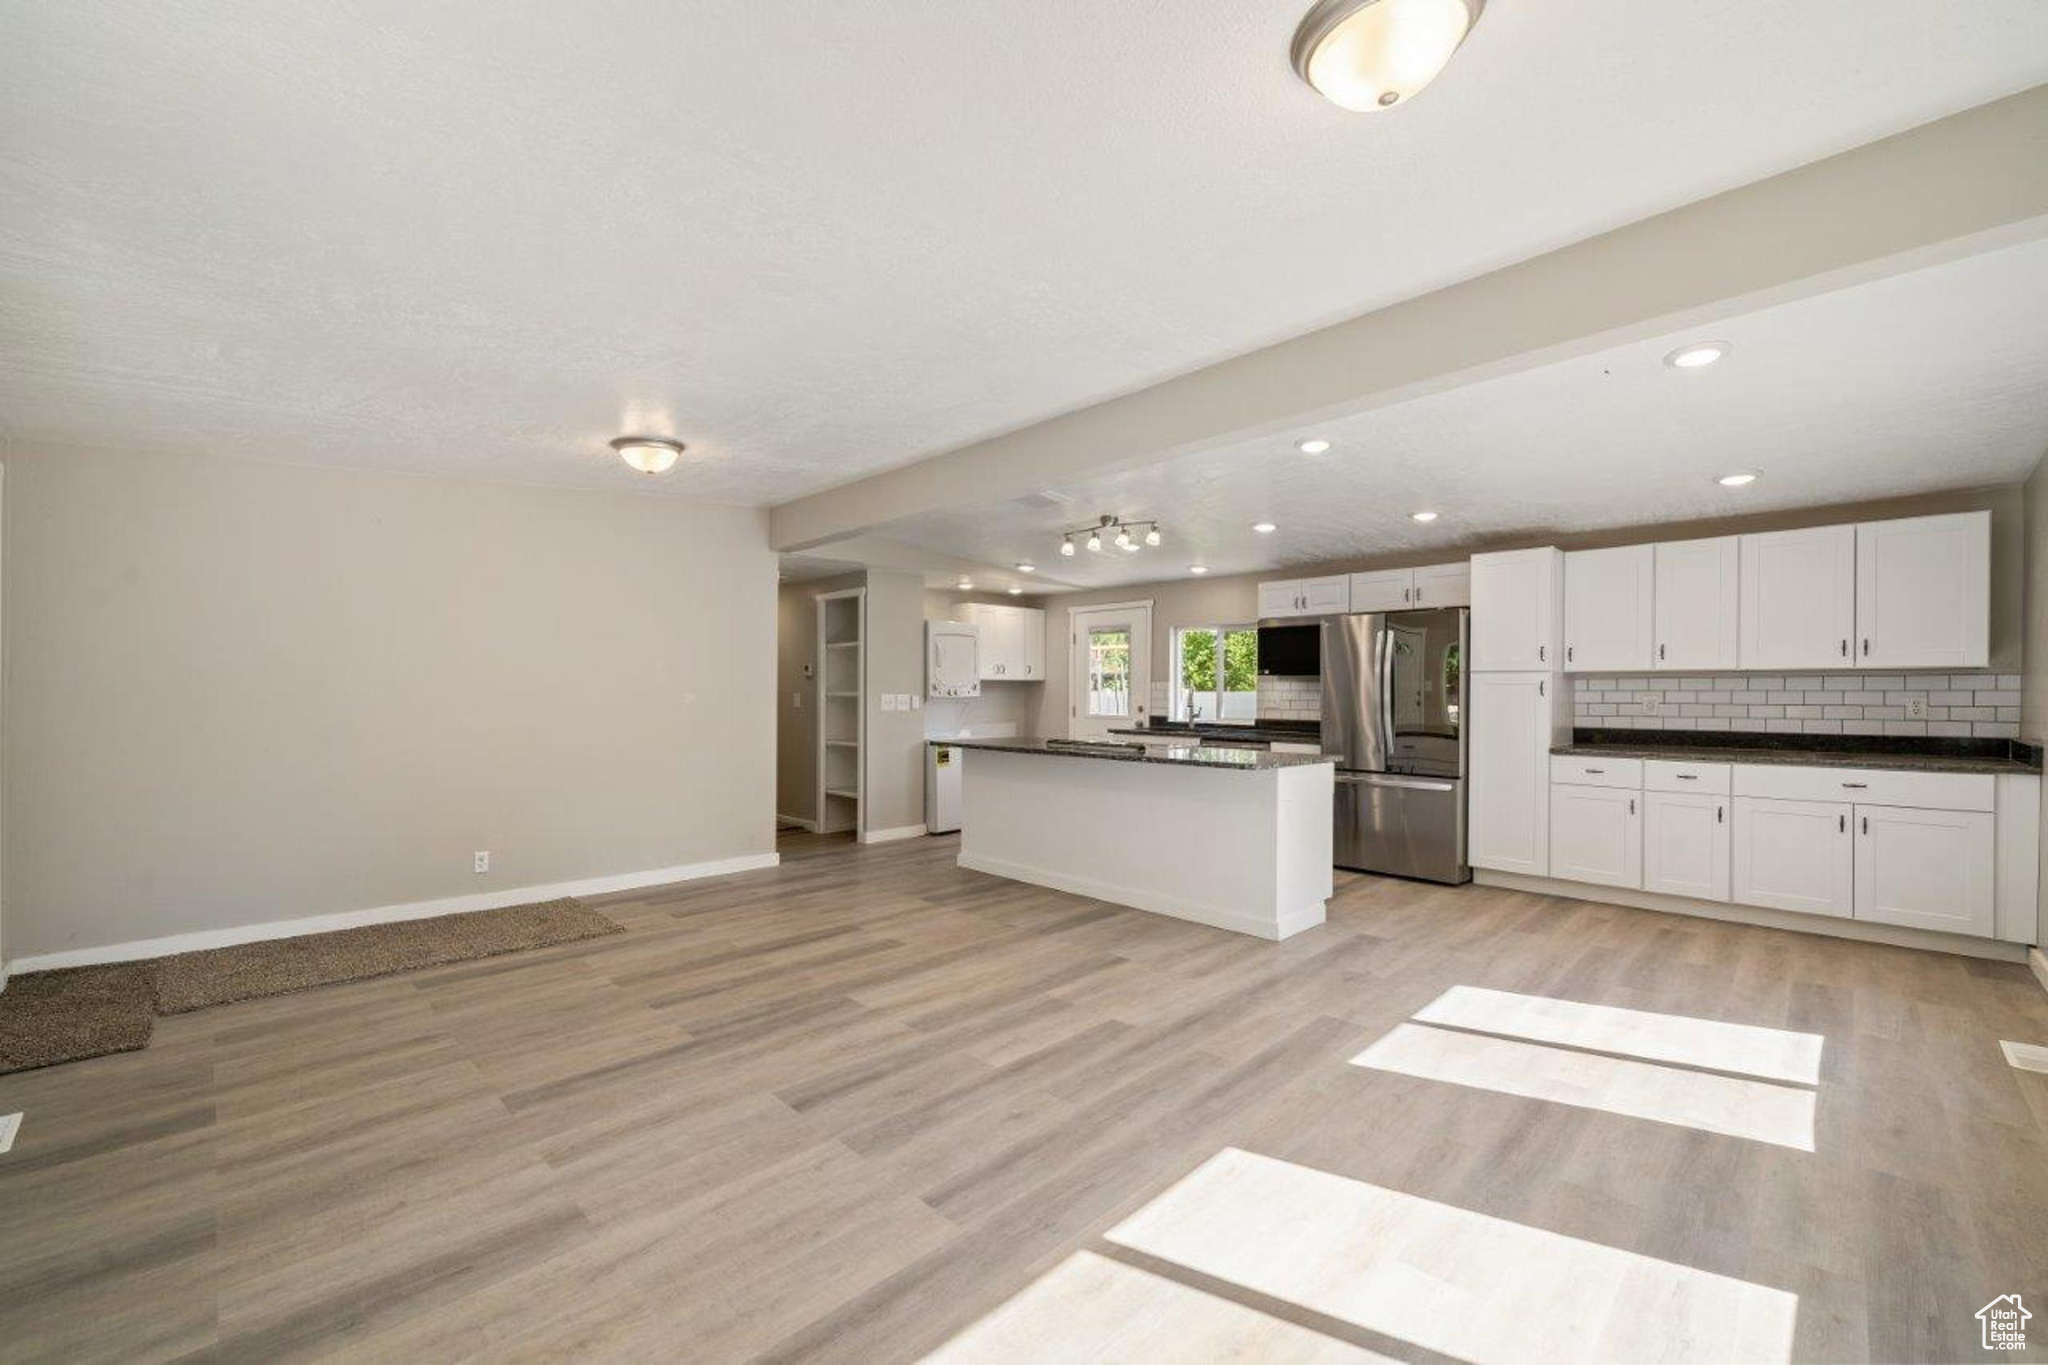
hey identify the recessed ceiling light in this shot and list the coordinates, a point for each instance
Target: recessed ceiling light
(1422, 516)
(1314, 445)
(1735, 480)
(1198, 568)
(1264, 528)
(965, 585)
(1364, 55)
(1016, 591)
(1027, 568)
(1697, 356)
(648, 454)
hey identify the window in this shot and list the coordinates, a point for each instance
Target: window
(1109, 673)
(1216, 674)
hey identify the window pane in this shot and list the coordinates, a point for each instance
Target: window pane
(1109, 673)
(1240, 682)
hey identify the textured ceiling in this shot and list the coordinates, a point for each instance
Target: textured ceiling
(814, 240)
(1924, 381)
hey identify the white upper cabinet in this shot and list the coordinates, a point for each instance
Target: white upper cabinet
(1012, 641)
(1443, 585)
(1798, 605)
(1923, 589)
(1434, 585)
(1699, 587)
(1383, 590)
(1608, 609)
(1305, 597)
(1517, 611)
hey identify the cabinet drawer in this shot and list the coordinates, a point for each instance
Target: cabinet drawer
(1868, 786)
(1597, 772)
(1665, 775)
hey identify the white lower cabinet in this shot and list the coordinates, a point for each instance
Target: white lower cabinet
(1596, 835)
(1515, 718)
(1928, 869)
(1795, 855)
(1686, 841)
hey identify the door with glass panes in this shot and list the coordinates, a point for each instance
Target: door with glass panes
(1109, 670)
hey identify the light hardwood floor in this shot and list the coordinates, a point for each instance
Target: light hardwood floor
(850, 1108)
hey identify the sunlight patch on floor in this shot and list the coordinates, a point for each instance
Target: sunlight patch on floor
(1465, 1284)
(1769, 1053)
(1092, 1308)
(1758, 1110)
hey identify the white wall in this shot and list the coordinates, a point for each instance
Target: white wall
(242, 693)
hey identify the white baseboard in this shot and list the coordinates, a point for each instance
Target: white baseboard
(1861, 930)
(5, 968)
(883, 836)
(1216, 917)
(390, 914)
(798, 821)
(2039, 964)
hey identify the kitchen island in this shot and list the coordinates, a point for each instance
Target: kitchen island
(1234, 838)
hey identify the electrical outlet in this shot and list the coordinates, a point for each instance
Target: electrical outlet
(483, 860)
(1916, 708)
(796, 699)
(1648, 703)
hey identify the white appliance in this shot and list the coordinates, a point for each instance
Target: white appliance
(952, 659)
(942, 775)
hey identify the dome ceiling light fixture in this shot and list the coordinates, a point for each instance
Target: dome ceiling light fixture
(1126, 535)
(649, 454)
(1368, 55)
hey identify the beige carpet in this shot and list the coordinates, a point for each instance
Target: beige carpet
(249, 971)
(75, 1013)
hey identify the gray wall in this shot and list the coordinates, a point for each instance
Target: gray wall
(1234, 600)
(242, 692)
(895, 745)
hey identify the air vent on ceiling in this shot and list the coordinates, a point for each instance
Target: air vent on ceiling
(1042, 499)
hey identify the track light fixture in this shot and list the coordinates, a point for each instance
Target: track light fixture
(1125, 535)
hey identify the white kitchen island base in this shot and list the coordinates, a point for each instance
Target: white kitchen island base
(1242, 848)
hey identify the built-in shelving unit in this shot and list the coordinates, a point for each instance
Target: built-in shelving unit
(842, 712)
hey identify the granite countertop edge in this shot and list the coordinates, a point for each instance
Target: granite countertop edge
(1170, 755)
(1792, 754)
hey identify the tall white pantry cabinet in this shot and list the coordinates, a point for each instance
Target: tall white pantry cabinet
(1520, 707)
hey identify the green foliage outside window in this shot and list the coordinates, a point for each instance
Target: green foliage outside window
(1240, 661)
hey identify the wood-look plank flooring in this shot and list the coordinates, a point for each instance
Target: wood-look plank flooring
(850, 1107)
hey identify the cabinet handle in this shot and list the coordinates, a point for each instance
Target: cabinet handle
(1687, 777)
(1569, 650)
(1541, 656)
(1866, 646)
(1866, 824)
(1539, 688)
(1418, 597)
(1719, 812)
(1404, 594)
(1841, 824)
(1660, 651)
(1845, 649)
(1594, 772)
(1631, 805)
(1855, 786)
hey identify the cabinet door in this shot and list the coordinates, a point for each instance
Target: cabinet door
(1923, 592)
(1699, 584)
(1031, 621)
(1798, 598)
(1383, 590)
(1794, 855)
(1001, 642)
(1608, 609)
(1516, 610)
(1596, 835)
(1930, 869)
(1326, 596)
(1686, 846)
(1511, 728)
(1441, 585)
(1280, 599)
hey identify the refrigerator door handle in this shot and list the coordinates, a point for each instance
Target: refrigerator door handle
(1423, 784)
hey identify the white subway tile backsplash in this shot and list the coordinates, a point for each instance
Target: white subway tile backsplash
(1957, 705)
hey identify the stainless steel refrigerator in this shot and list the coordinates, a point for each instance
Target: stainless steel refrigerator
(1393, 712)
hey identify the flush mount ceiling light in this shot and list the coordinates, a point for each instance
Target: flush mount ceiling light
(1264, 528)
(1016, 591)
(965, 585)
(1366, 55)
(1027, 568)
(1736, 480)
(1697, 356)
(1422, 516)
(1126, 535)
(649, 454)
(1314, 445)
(1198, 568)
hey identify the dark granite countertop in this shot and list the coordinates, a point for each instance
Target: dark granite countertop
(1181, 755)
(1900, 753)
(1266, 732)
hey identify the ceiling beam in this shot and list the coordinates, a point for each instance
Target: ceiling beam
(1972, 182)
